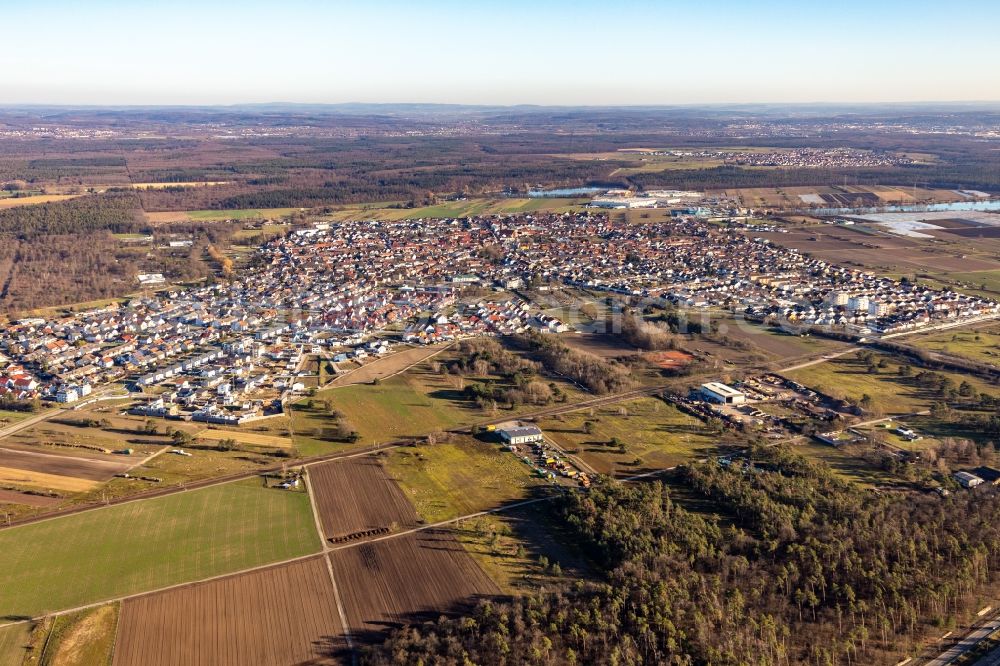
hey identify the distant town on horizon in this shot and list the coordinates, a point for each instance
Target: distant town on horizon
(558, 355)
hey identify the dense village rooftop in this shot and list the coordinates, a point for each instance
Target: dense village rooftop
(339, 284)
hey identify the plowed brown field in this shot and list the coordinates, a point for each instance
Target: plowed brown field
(15, 497)
(406, 579)
(356, 495)
(272, 617)
(92, 469)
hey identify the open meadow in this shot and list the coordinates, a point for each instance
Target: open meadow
(406, 405)
(891, 393)
(655, 436)
(392, 409)
(464, 208)
(460, 476)
(980, 345)
(386, 366)
(128, 548)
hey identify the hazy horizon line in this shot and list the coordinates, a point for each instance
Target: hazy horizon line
(481, 105)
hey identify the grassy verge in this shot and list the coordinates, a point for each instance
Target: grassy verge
(981, 346)
(83, 638)
(8, 417)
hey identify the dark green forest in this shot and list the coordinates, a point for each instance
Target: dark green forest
(794, 566)
(117, 213)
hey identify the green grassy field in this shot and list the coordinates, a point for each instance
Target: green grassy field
(775, 342)
(891, 394)
(459, 477)
(411, 404)
(460, 208)
(254, 236)
(391, 410)
(10, 417)
(146, 545)
(847, 463)
(981, 346)
(13, 640)
(656, 433)
(987, 282)
(239, 214)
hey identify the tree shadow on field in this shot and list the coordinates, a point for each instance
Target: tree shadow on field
(535, 526)
(15, 618)
(450, 395)
(376, 632)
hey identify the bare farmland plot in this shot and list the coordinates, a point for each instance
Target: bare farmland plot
(406, 579)
(272, 617)
(356, 495)
(48, 462)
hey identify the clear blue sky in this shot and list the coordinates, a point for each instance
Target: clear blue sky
(501, 52)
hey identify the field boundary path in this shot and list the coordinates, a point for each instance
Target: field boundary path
(348, 639)
(35, 419)
(326, 549)
(15, 428)
(854, 346)
(817, 361)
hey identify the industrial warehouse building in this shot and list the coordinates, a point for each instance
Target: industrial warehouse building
(521, 435)
(967, 480)
(624, 202)
(722, 394)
